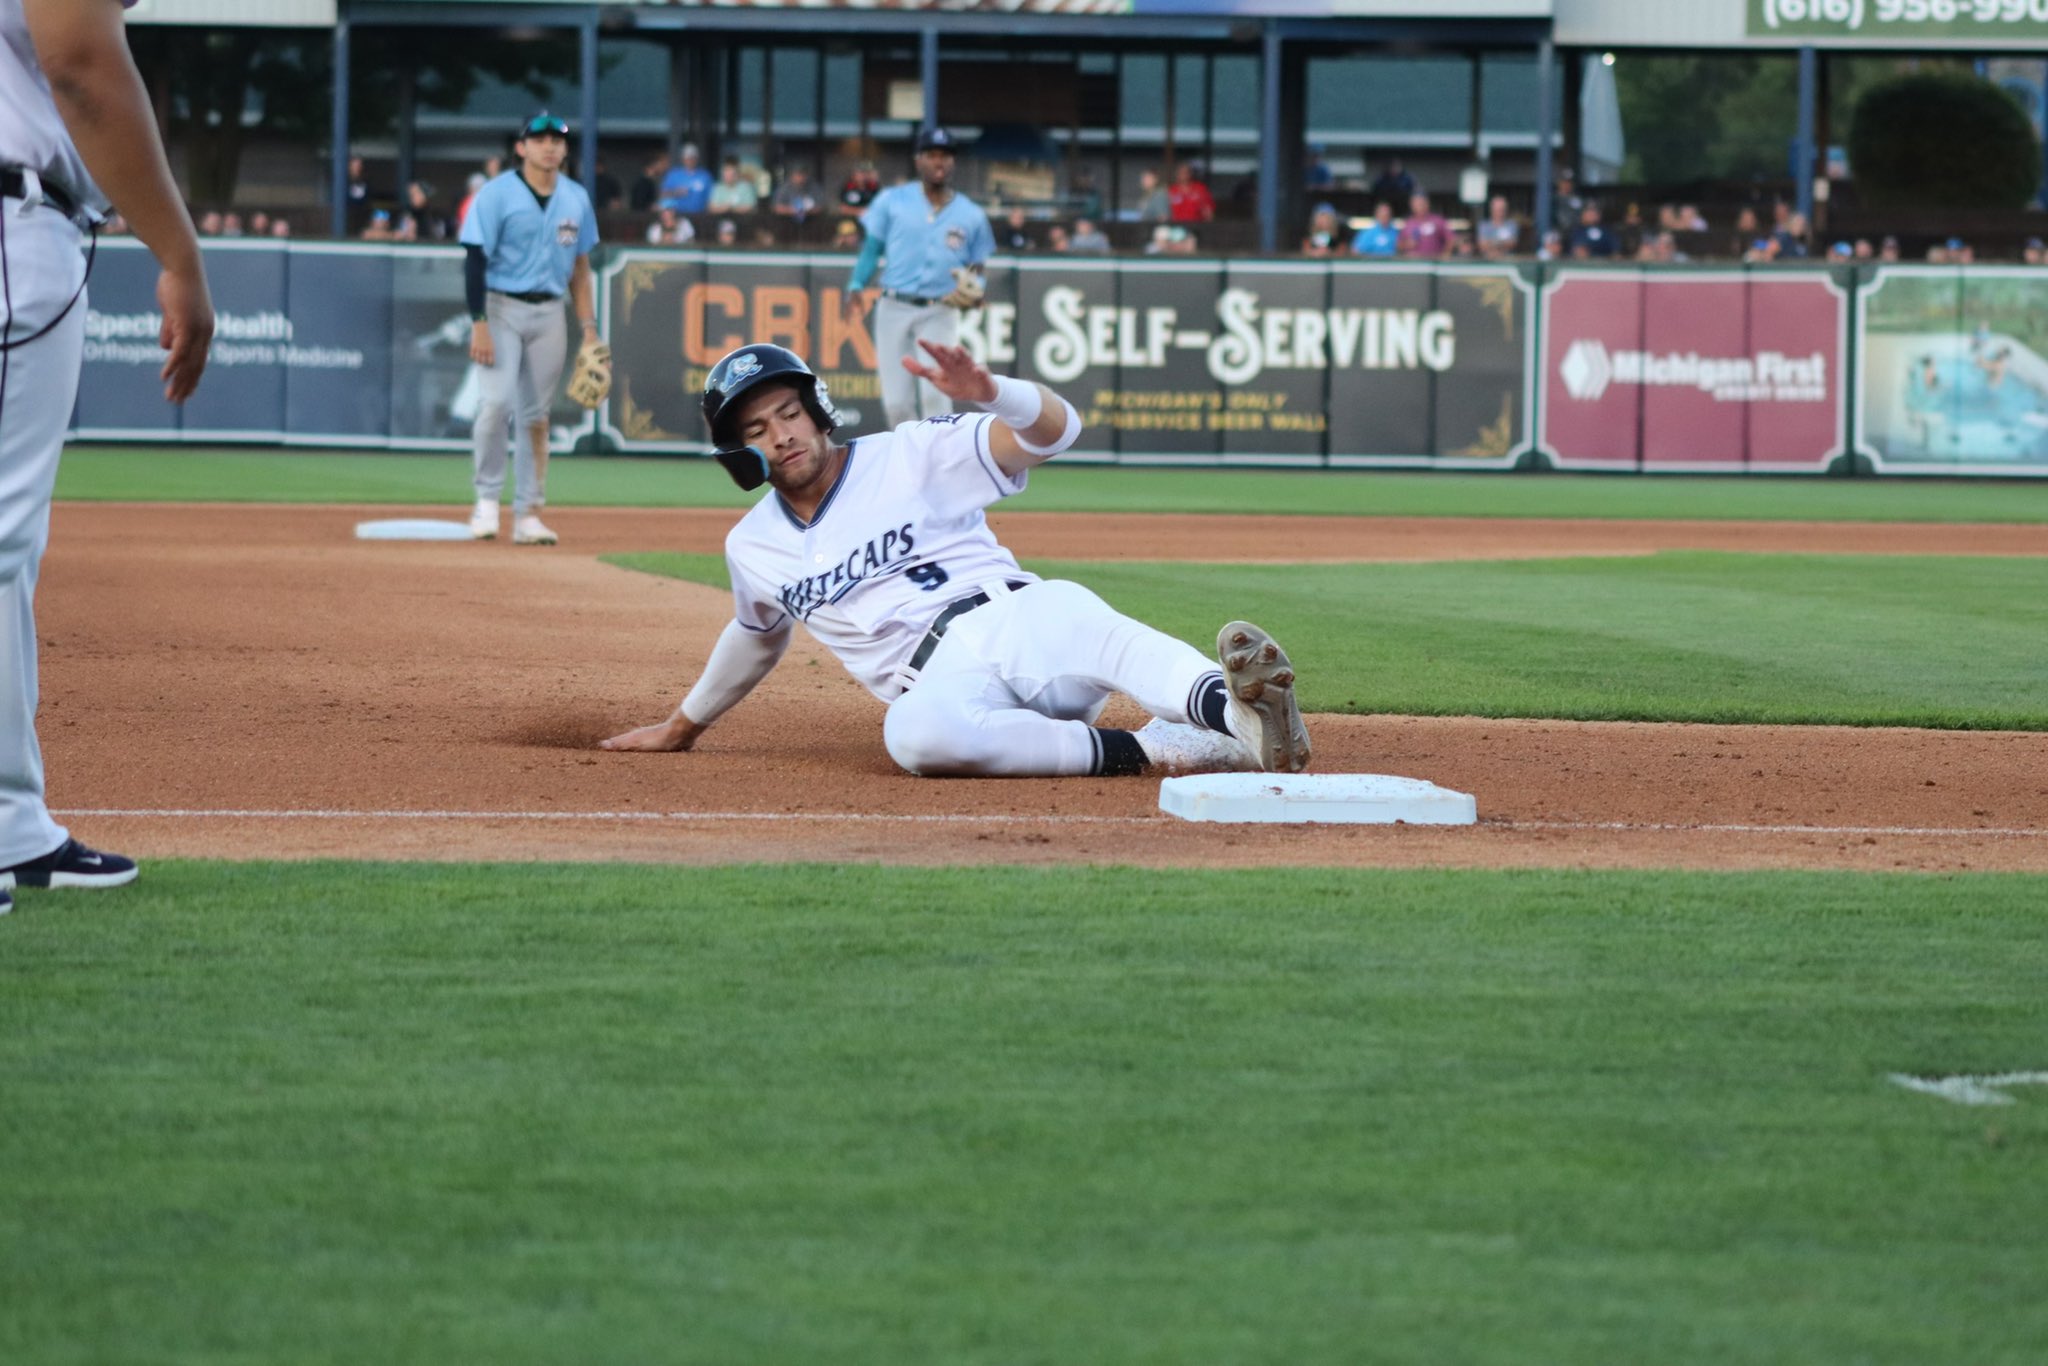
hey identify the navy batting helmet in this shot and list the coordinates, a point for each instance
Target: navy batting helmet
(733, 378)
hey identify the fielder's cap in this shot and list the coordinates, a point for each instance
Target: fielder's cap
(544, 123)
(937, 140)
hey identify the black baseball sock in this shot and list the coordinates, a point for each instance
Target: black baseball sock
(1122, 755)
(1209, 705)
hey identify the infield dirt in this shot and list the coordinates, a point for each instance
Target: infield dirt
(246, 681)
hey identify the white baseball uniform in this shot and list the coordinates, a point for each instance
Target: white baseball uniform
(42, 339)
(1013, 684)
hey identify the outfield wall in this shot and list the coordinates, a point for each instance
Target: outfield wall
(1463, 365)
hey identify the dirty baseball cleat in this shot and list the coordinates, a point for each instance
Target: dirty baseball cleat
(71, 864)
(483, 521)
(530, 530)
(1260, 679)
(1177, 749)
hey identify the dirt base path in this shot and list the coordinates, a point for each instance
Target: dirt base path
(245, 681)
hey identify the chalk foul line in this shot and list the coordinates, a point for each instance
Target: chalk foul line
(1002, 818)
(1970, 1090)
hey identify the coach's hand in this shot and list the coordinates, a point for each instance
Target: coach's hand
(480, 349)
(187, 332)
(954, 373)
(677, 733)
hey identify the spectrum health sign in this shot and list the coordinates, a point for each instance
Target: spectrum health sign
(1727, 370)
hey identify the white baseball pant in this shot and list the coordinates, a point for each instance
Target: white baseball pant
(898, 328)
(41, 269)
(529, 344)
(1014, 687)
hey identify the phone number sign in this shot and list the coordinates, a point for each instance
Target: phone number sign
(1990, 22)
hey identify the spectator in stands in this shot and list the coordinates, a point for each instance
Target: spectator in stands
(1498, 234)
(846, 235)
(1630, 233)
(1841, 254)
(1961, 253)
(280, 227)
(606, 193)
(358, 194)
(1189, 201)
(1154, 204)
(1566, 204)
(670, 229)
(231, 224)
(1057, 239)
(259, 224)
(1395, 187)
(209, 223)
(646, 191)
(1379, 237)
(1888, 250)
(796, 197)
(1426, 234)
(859, 191)
(1864, 250)
(1763, 251)
(1747, 230)
(429, 223)
(1688, 219)
(1317, 175)
(1013, 235)
(475, 182)
(1325, 234)
(733, 193)
(728, 233)
(1181, 241)
(1089, 240)
(1552, 248)
(1087, 199)
(686, 187)
(2034, 253)
(1794, 237)
(1161, 240)
(1591, 240)
(379, 227)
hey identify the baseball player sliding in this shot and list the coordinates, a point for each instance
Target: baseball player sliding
(527, 239)
(932, 242)
(71, 101)
(881, 548)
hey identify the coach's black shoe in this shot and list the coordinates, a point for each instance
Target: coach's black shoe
(71, 864)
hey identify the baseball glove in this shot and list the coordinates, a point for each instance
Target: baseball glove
(592, 380)
(967, 288)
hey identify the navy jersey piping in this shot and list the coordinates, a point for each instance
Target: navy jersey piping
(985, 451)
(830, 494)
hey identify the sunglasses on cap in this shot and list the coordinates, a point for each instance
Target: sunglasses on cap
(546, 123)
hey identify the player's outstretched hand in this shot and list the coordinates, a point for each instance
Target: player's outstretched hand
(954, 373)
(666, 737)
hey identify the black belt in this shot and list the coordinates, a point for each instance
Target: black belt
(958, 609)
(529, 298)
(14, 185)
(915, 300)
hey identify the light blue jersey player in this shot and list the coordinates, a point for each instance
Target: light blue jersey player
(71, 102)
(922, 233)
(528, 238)
(882, 550)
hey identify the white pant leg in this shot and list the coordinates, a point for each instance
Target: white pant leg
(38, 383)
(895, 324)
(497, 397)
(1013, 688)
(941, 326)
(544, 337)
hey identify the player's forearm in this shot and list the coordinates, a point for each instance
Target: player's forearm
(1043, 423)
(739, 661)
(82, 47)
(582, 295)
(864, 267)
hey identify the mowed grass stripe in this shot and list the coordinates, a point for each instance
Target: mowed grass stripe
(261, 475)
(432, 1113)
(1946, 642)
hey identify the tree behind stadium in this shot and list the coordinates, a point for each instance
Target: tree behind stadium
(1943, 139)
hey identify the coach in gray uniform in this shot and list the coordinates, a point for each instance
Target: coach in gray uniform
(70, 98)
(528, 239)
(921, 233)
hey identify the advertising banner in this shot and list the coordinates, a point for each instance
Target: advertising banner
(1702, 370)
(1953, 370)
(314, 344)
(1195, 361)
(1989, 24)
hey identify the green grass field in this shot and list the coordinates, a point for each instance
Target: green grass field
(393, 1114)
(173, 474)
(280, 1113)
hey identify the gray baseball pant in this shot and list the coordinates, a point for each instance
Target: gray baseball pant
(898, 328)
(530, 343)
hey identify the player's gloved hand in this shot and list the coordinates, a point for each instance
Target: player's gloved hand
(592, 381)
(968, 289)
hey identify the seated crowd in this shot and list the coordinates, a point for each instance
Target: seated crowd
(681, 201)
